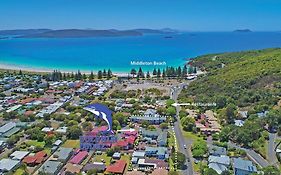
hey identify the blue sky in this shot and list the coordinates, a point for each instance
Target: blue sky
(193, 15)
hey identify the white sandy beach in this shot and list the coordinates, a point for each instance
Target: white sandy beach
(45, 70)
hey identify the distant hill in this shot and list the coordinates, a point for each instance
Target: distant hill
(23, 31)
(243, 30)
(244, 78)
(78, 33)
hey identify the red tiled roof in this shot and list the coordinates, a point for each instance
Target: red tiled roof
(118, 167)
(27, 100)
(40, 154)
(28, 113)
(29, 159)
(78, 158)
(130, 133)
(120, 143)
(37, 158)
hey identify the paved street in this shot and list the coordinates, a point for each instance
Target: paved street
(255, 157)
(180, 138)
(272, 159)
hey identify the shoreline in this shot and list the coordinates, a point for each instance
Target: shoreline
(47, 70)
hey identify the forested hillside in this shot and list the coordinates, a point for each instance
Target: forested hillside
(246, 79)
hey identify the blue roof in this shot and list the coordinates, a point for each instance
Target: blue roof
(245, 165)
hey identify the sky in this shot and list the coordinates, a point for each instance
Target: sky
(188, 15)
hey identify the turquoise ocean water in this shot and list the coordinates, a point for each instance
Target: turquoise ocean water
(116, 53)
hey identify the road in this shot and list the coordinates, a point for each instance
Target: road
(255, 157)
(180, 138)
(272, 159)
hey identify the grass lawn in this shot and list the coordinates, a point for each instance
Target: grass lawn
(71, 144)
(191, 135)
(98, 158)
(197, 166)
(171, 164)
(48, 151)
(35, 143)
(263, 149)
(19, 171)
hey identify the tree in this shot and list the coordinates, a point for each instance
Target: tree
(109, 74)
(93, 171)
(171, 111)
(199, 148)
(179, 72)
(87, 126)
(140, 73)
(271, 170)
(154, 73)
(120, 117)
(209, 171)
(144, 124)
(49, 140)
(188, 123)
(158, 73)
(164, 125)
(133, 72)
(173, 173)
(13, 140)
(230, 113)
(84, 77)
(147, 75)
(91, 77)
(180, 159)
(104, 73)
(99, 74)
(74, 132)
(184, 71)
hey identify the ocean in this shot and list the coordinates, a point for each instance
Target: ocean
(121, 54)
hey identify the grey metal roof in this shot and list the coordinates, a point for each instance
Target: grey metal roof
(7, 127)
(63, 153)
(50, 167)
(8, 164)
(245, 165)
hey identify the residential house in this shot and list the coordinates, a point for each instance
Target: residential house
(79, 157)
(243, 167)
(51, 167)
(70, 168)
(7, 165)
(219, 163)
(37, 158)
(18, 155)
(159, 171)
(137, 155)
(117, 168)
(99, 166)
(62, 154)
(158, 152)
(217, 150)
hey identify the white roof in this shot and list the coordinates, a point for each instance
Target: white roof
(8, 164)
(47, 129)
(58, 142)
(62, 129)
(13, 108)
(19, 155)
